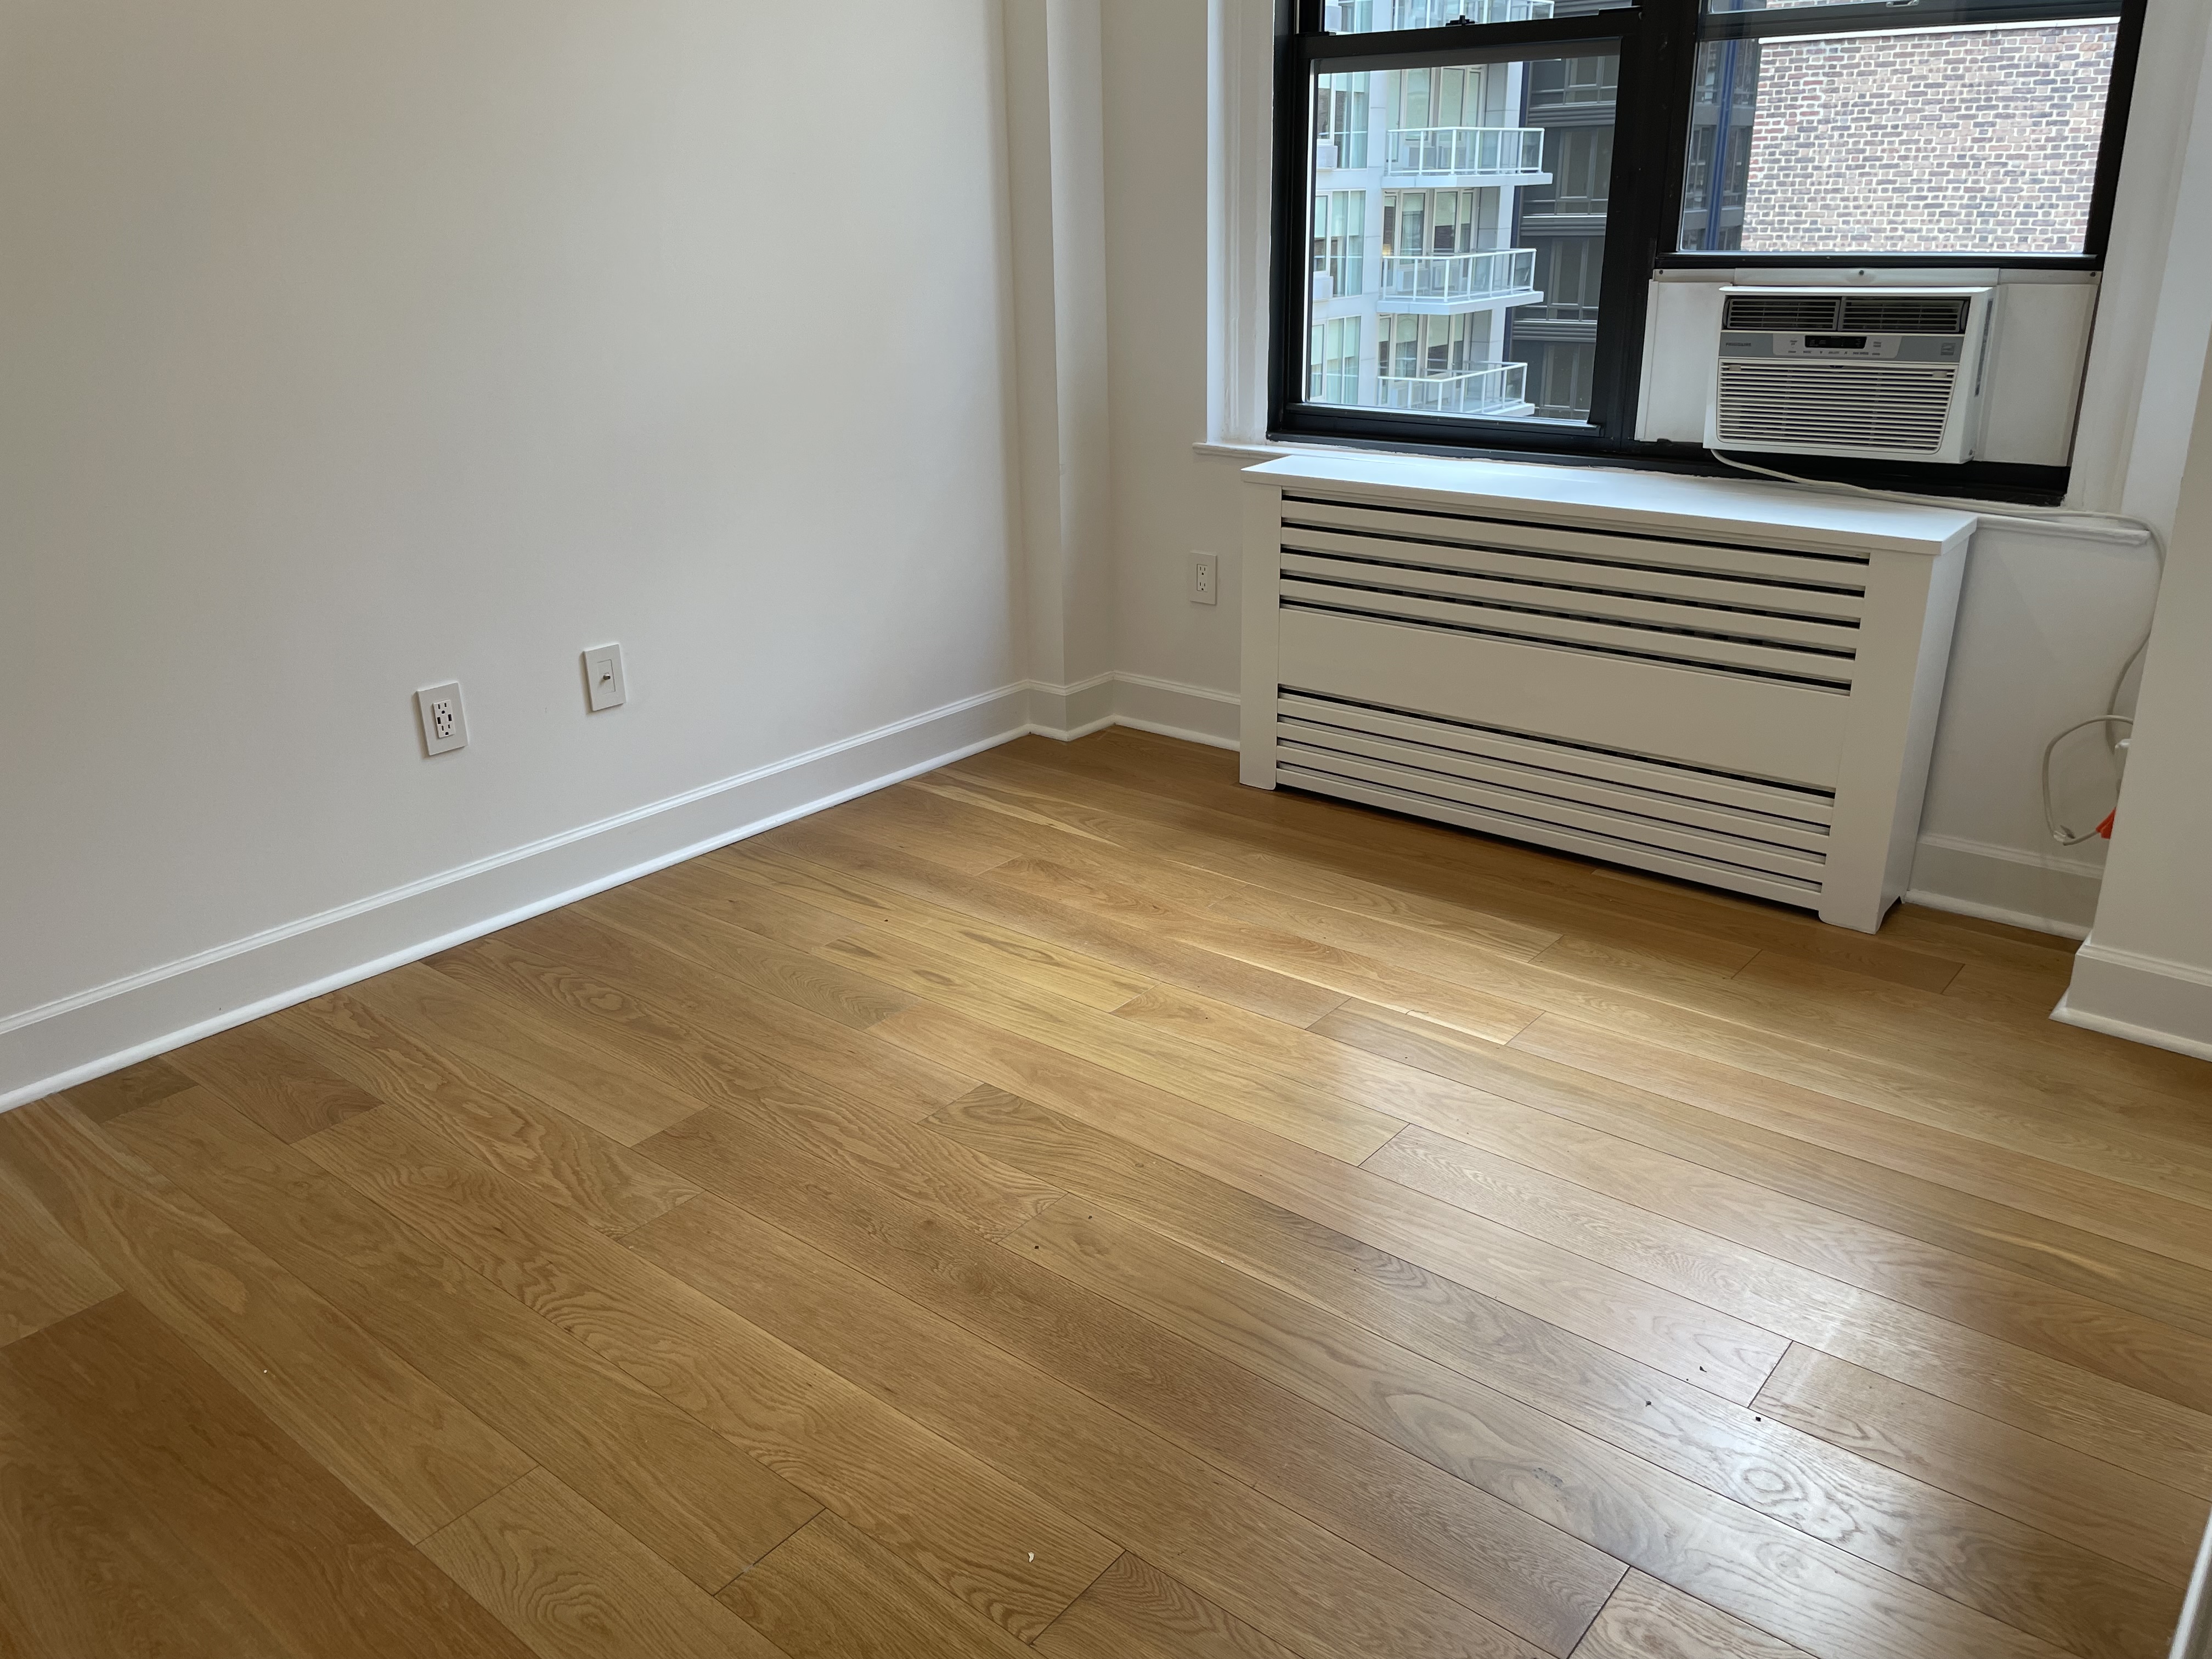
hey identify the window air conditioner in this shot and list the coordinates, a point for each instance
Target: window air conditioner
(1890, 373)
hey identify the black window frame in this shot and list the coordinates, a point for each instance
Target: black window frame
(1657, 40)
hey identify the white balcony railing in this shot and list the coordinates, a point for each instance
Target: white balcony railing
(1513, 150)
(1449, 277)
(1488, 391)
(1365, 16)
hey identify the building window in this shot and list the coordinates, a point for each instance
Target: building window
(1488, 187)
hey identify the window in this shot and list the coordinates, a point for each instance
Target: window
(1487, 186)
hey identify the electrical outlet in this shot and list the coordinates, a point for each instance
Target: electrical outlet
(603, 685)
(445, 725)
(1206, 579)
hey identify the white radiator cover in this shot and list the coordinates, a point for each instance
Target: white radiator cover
(1733, 683)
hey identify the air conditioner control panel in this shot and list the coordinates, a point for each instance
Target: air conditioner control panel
(1902, 348)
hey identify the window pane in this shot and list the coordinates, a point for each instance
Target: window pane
(1425, 291)
(1376, 16)
(1964, 140)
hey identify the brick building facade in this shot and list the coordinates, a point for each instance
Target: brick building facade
(1913, 144)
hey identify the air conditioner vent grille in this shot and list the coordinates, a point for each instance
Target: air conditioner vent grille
(1876, 314)
(1847, 405)
(1759, 313)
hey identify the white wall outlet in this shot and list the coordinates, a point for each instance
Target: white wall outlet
(1206, 579)
(444, 725)
(603, 685)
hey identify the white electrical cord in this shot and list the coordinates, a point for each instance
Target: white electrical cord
(2112, 716)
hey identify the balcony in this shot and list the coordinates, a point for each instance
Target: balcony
(1429, 283)
(1365, 16)
(1494, 390)
(1513, 154)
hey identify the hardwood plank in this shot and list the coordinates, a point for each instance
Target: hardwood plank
(86, 1569)
(1288, 1105)
(828, 1592)
(2153, 1088)
(818, 847)
(557, 1156)
(133, 1086)
(1668, 1332)
(1132, 824)
(45, 1274)
(1755, 1565)
(1013, 1558)
(2138, 1430)
(2003, 1173)
(288, 1093)
(2139, 1352)
(569, 963)
(2097, 1505)
(1500, 878)
(742, 957)
(405, 1447)
(704, 1507)
(2071, 1120)
(573, 1585)
(1135, 1611)
(976, 1192)
(1117, 850)
(1821, 1172)
(1736, 1452)
(283, 1536)
(1265, 1563)
(527, 1048)
(977, 943)
(1647, 1620)
(706, 885)
(1977, 940)
(1255, 939)
(1482, 1552)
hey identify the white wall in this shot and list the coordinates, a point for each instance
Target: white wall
(349, 348)
(2147, 969)
(2044, 621)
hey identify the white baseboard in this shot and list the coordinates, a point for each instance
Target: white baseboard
(2143, 999)
(82, 1036)
(2003, 884)
(1193, 713)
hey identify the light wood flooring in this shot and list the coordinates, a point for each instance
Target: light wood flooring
(1070, 1202)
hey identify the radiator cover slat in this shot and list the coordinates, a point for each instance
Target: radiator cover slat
(1748, 705)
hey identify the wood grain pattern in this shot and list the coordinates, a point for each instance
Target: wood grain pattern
(989, 1543)
(573, 1585)
(133, 1086)
(695, 1500)
(288, 1093)
(597, 1177)
(1071, 1201)
(410, 1450)
(1264, 1562)
(88, 1570)
(828, 1592)
(1135, 1611)
(2126, 1517)
(1647, 1620)
(1487, 1555)
(1902, 1525)
(45, 1274)
(1752, 1563)
(319, 1568)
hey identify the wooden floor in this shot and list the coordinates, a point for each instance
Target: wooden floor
(1070, 1201)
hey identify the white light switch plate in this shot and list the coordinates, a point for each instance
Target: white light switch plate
(445, 724)
(604, 686)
